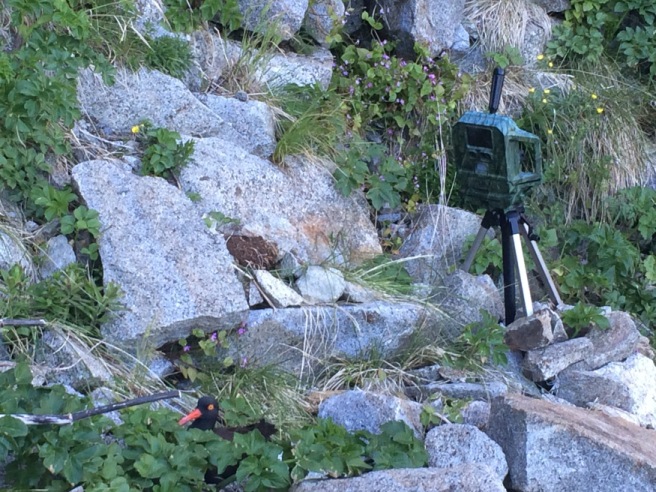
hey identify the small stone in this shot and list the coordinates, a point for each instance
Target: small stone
(530, 333)
(241, 96)
(545, 363)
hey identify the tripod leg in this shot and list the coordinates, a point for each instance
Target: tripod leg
(541, 265)
(514, 219)
(508, 256)
(489, 219)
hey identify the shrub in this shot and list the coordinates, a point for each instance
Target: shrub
(408, 105)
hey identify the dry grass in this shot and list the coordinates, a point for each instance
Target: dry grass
(504, 23)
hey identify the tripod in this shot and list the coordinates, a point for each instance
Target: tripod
(513, 223)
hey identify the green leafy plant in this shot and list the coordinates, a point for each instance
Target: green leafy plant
(313, 120)
(69, 296)
(184, 16)
(591, 141)
(621, 28)
(150, 451)
(163, 153)
(82, 219)
(480, 343)
(508, 57)
(168, 54)
(583, 317)
(408, 104)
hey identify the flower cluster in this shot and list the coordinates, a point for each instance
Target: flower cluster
(406, 103)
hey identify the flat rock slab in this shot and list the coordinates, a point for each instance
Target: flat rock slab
(456, 444)
(295, 206)
(463, 478)
(553, 448)
(152, 95)
(300, 338)
(364, 410)
(627, 385)
(175, 275)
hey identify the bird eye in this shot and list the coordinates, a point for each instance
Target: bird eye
(210, 407)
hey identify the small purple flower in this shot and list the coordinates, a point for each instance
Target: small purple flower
(213, 336)
(345, 73)
(244, 362)
(369, 85)
(351, 90)
(186, 348)
(403, 63)
(390, 131)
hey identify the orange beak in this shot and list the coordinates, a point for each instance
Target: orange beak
(193, 415)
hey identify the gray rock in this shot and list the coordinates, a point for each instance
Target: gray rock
(552, 448)
(214, 59)
(12, 252)
(460, 39)
(532, 332)
(290, 267)
(284, 17)
(291, 68)
(104, 396)
(478, 391)
(553, 5)
(358, 293)
(152, 95)
(174, 274)
(476, 413)
(462, 296)
(57, 255)
(279, 294)
(70, 362)
(320, 285)
(626, 385)
(437, 238)
(613, 344)
(322, 18)
(545, 363)
(614, 412)
(299, 339)
(353, 15)
(429, 22)
(253, 120)
(456, 444)
(254, 295)
(296, 207)
(161, 367)
(364, 410)
(463, 478)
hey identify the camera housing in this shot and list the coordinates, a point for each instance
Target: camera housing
(497, 162)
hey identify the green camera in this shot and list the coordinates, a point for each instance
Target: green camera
(497, 162)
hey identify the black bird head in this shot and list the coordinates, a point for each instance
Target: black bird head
(204, 416)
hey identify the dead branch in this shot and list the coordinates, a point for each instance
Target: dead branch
(83, 414)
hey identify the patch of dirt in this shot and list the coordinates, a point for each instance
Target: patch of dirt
(253, 252)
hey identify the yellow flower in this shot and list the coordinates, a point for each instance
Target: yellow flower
(540, 56)
(549, 131)
(531, 90)
(593, 96)
(550, 64)
(544, 100)
(547, 91)
(135, 129)
(600, 110)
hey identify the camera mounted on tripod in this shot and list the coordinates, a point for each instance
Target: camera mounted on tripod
(497, 162)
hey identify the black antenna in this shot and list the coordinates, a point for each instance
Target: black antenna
(495, 91)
